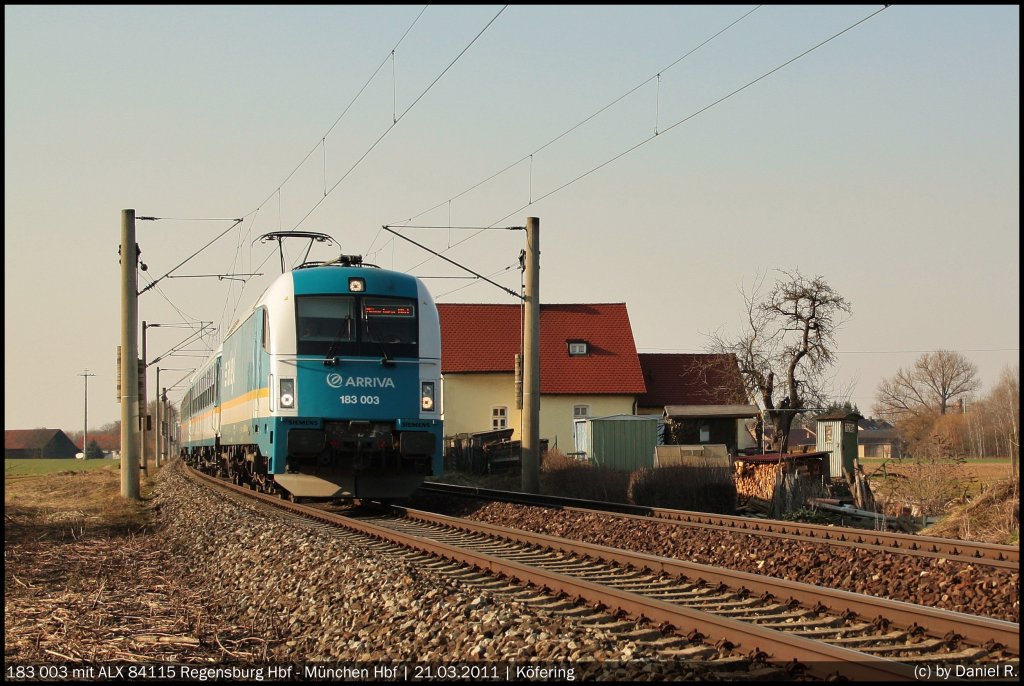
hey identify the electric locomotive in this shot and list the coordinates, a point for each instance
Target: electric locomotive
(328, 388)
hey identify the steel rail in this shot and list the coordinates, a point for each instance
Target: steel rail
(788, 650)
(939, 623)
(818, 658)
(971, 552)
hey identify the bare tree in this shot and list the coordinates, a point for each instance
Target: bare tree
(928, 388)
(1005, 403)
(787, 347)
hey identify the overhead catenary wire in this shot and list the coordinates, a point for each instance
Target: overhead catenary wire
(581, 123)
(187, 219)
(479, 276)
(177, 309)
(322, 144)
(471, 228)
(659, 134)
(492, 275)
(154, 283)
(390, 56)
(397, 120)
(694, 114)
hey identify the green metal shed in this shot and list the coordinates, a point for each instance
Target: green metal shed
(623, 441)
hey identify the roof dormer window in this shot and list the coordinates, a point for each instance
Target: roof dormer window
(578, 348)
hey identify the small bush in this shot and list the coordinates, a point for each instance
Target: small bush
(570, 478)
(94, 451)
(684, 487)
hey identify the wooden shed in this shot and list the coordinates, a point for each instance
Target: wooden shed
(700, 424)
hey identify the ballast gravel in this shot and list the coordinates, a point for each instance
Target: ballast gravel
(929, 581)
(313, 597)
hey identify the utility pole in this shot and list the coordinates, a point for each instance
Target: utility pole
(129, 358)
(143, 410)
(531, 361)
(85, 432)
(165, 430)
(156, 423)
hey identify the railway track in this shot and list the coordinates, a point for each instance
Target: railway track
(971, 552)
(792, 626)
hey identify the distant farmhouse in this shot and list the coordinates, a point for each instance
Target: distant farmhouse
(878, 438)
(38, 443)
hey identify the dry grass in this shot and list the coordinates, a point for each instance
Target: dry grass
(69, 506)
(978, 474)
(87, 581)
(38, 467)
(976, 498)
(992, 517)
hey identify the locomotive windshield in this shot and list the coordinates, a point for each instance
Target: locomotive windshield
(330, 325)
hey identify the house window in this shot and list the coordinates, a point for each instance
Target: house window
(705, 433)
(828, 433)
(580, 411)
(577, 348)
(499, 417)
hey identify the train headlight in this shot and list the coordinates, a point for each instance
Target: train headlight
(287, 395)
(356, 284)
(427, 396)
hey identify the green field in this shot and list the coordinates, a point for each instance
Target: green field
(39, 467)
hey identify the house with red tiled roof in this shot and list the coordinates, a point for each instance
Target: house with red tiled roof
(689, 379)
(588, 367)
(38, 443)
(700, 396)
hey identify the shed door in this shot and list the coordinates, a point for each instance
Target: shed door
(581, 435)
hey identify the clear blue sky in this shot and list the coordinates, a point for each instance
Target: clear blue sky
(886, 161)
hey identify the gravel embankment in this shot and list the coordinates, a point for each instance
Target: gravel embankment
(313, 597)
(934, 582)
(212, 581)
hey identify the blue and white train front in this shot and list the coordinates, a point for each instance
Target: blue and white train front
(353, 358)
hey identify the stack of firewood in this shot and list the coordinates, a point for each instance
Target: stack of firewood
(756, 481)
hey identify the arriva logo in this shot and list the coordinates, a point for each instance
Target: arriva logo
(337, 381)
